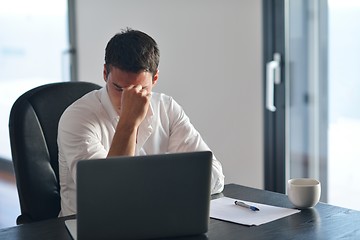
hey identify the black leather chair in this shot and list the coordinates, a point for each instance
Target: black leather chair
(33, 128)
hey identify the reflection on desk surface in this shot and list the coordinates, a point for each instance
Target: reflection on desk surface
(324, 221)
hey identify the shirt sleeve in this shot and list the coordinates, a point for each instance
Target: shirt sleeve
(185, 138)
(78, 139)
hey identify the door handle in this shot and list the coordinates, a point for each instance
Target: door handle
(273, 71)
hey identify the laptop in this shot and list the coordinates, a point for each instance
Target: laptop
(143, 197)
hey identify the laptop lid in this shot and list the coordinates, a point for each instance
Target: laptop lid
(144, 197)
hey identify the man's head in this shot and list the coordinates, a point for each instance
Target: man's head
(131, 59)
(132, 51)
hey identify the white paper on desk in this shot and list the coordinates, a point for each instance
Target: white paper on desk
(225, 209)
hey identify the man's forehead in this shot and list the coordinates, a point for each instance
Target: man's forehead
(125, 80)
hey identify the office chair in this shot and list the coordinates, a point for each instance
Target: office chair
(33, 126)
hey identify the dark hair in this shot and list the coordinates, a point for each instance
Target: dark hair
(132, 51)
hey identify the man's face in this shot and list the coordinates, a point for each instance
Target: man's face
(117, 79)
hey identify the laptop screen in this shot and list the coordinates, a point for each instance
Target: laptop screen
(143, 197)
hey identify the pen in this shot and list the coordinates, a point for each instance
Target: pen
(242, 204)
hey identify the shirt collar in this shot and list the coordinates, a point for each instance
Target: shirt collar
(109, 108)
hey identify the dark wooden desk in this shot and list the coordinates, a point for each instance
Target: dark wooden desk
(322, 222)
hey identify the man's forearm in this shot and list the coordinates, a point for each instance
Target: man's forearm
(124, 141)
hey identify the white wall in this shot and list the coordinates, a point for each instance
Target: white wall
(210, 62)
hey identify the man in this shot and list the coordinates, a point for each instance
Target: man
(125, 117)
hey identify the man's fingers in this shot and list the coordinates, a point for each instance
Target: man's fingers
(138, 88)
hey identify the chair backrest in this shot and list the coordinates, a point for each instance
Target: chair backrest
(33, 126)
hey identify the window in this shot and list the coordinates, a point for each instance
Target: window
(33, 51)
(315, 130)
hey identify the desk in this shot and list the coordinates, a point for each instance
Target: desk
(322, 222)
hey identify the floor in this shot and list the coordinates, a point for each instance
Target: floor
(9, 202)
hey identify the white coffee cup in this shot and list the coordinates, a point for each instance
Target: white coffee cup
(304, 192)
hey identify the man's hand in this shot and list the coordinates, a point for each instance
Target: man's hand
(135, 103)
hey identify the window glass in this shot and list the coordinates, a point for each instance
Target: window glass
(33, 51)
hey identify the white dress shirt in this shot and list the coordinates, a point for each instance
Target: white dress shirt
(87, 127)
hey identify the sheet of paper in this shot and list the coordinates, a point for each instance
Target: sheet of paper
(225, 209)
(72, 228)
